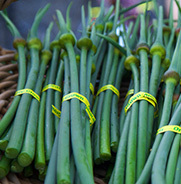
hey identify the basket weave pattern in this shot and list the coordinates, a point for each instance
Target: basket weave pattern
(8, 79)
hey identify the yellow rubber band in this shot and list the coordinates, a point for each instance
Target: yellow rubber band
(109, 86)
(29, 91)
(82, 99)
(140, 96)
(52, 86)
(172, 128)
(56, 111)
(130, 92)
(92, 88)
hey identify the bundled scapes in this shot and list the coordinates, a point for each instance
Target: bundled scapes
(69, 116)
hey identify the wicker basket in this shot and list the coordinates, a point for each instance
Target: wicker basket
(8, 79)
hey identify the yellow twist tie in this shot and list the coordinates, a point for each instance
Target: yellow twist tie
(52, 86)
(56, 111)
(29, 91)
(130, 92)
(109, 86)
(84, 100)
(140, 96)
(92, 88)
(172, 128)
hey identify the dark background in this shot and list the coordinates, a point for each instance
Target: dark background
(22, 14)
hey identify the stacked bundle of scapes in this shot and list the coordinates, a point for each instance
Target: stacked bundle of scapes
(64, 124)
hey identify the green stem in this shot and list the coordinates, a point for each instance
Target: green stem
(5, 139)
(162, 153)
(16, 167)
(49, 117)
(105, 151)
(57, 98)
(40, 162)
(51, 174)
(156, 62)
(132, 138)
(143, 105)
(143, 113)
(172, 161)
(178, 170)
(76, 125)
(28, 149)
(63, 152)
(146, 173)
(114, 108)
(16, 140)
(37, 20)
(120, 164)
(5, 164)
(122, 115)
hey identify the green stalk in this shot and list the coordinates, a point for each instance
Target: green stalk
(172, 161)
(63, 152)
(40, 162)
(160, 161)
(105, 79)
(143, 51)
(5, 138)
(114, 108)
(16, 167)
(122, 115)
(131, 63)
(57, 98)
(51, 174)
(146, 173)
(79, 153)
(105, 149)
(72, 169)
(96, 128)
(132, 137)
(178, 170)
(67, 41)
(28, 150)
(133, 39)
(5, 164)
(84, 44)
(120, 164)
(99, 59)
(87, 53)
(38, 17)
(158, 53)
(17, 135)
(49, 116)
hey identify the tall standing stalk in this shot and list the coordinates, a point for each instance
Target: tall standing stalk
(67, 41)
(63, 152)
(105, 152)
(158, 53)
(49, 117)
(131, 63)
(143, 51)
